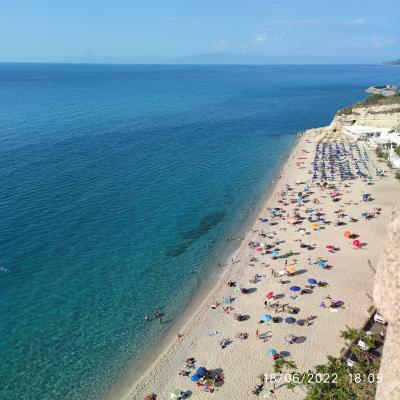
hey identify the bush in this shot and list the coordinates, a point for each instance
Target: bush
(397, 150)
(381, 154)
(346, 111)
(397, 175)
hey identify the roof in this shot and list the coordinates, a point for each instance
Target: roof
(362, 130)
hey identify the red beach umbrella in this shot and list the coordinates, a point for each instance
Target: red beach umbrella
(270, 295)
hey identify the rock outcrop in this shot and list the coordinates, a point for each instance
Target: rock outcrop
(387, 298)
(378, 111)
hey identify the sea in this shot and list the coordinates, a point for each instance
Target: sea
(119, 187)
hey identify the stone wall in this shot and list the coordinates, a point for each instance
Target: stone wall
(387, 299)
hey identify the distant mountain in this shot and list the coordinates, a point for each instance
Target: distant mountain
(394, 62)
(216, 58)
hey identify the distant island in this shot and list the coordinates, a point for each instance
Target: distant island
(394, 62)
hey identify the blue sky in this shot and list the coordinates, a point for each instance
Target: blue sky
(337, 31)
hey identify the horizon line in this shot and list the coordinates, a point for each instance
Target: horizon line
(179, 63)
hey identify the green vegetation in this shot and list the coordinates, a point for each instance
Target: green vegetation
(397, 150)
(381, 154)
(335, 380)
(346, 111)
(379, 99)
(282, 364)
(374, 100)
(397, 175)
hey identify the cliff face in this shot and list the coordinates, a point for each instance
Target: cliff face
(379, 111)
(387, 299)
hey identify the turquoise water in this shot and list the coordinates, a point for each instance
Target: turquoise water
(119, 184)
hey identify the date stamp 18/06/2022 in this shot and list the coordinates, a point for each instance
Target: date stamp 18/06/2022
(311, 378)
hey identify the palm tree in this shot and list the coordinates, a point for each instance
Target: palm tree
(351, 334)
(282, 364)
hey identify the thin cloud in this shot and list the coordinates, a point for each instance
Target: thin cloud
(259, 38)
(318, 21)
(366, 41)
(382, 41)
(221, 45)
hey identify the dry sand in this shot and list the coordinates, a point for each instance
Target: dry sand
(350, 280)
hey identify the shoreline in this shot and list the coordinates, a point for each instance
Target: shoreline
(199, 302)
(162, 374)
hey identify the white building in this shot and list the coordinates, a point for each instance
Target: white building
(360, 132)
(388, 139)
(394, 159)
(385, 138)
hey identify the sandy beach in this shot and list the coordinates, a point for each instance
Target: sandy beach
(346, 273)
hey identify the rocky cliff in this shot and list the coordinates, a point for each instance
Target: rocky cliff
(387, 299)
(379, 111)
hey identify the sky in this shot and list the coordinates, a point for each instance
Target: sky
(265, 31)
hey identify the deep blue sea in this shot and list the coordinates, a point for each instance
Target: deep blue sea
(118, 187)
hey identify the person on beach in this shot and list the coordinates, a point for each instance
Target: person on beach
(158, 315)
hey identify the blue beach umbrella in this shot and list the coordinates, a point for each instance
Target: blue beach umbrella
(271, 352)
(195, 378)
(266, 318)
(312, 281)
(290, 320)
(201, 372)
(295, 288)
(275, 254)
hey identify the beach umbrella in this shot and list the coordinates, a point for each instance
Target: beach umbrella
(356, 243)
(266, 318)
(290, 338)
(270, 295)
(328, 303)
(195, 378)
(275, 254)
(259, 249)
(174, 394)
(238, 288)
(312, 281)
(321, 265)
(347, 234)
(201, 372)
(365, 214)
(295, 288)
(271, 352)
(290, 320)
(329, 247)
(289, 252)
(290, 269)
